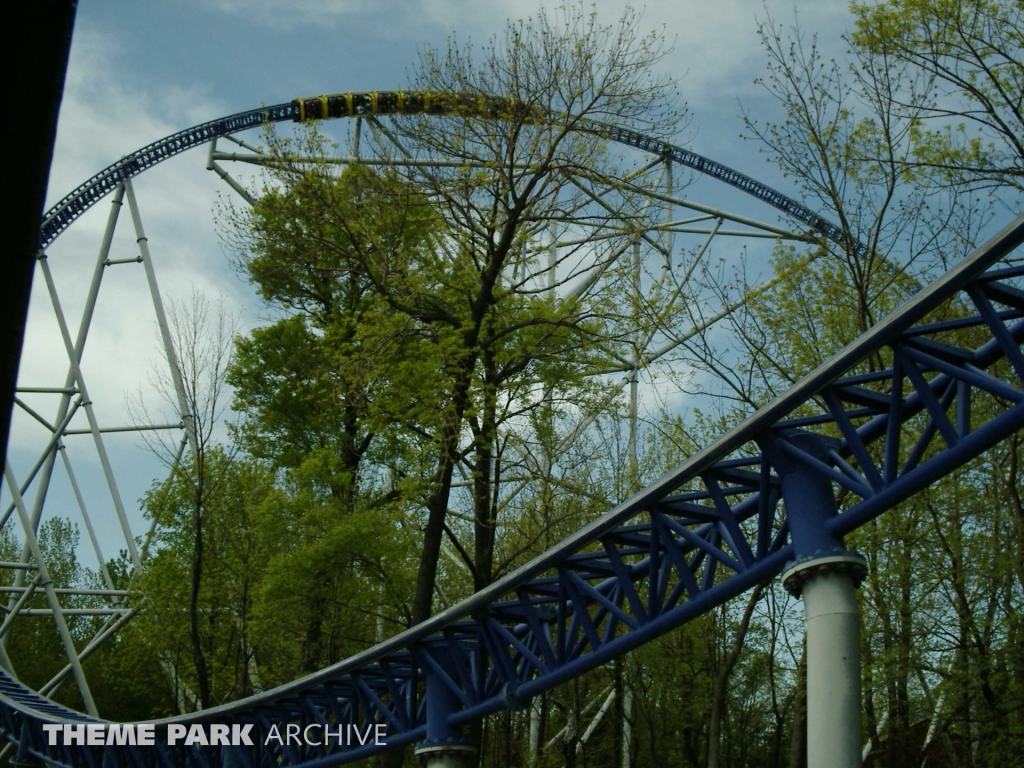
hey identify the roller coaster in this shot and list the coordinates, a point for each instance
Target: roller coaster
(734, 514)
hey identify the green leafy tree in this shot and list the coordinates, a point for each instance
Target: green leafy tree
(336, 395)
(199, 340)
(964, 58)
(235, 549)
(461, 276)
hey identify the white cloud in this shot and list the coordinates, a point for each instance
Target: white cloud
(716, 44)
(287, 14)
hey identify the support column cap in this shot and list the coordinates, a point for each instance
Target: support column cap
(848, 562)
(457, 753)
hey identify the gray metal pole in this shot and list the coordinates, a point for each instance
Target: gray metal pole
(85, 517)
(43, 458)
(668, 213)
(105, 633)
(833, 657)
(447, 758)
(83, 332)
(161, 318)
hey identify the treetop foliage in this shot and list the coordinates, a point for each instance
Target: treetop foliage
(965, 60)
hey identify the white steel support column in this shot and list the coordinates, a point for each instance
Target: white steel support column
(826, 574)
(43, 458)
(105, 633)
(212, 165)
(446, 758)
(148, 538)
(94, 427)
(161, 319)
(828, 586)
(104, 572)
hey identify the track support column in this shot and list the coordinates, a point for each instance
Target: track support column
(445, 746)
(826, 575)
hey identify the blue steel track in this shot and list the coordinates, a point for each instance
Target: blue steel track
(73, 205)
(705, 532)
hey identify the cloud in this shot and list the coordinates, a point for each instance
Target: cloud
(372, 17)
(716, 46)
(288, 14)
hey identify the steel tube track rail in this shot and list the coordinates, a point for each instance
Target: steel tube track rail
(73, 205)
(81, 199)
(702, 534)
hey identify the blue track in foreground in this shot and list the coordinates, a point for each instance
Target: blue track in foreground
(702, 534)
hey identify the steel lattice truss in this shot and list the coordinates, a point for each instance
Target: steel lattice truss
(704, 533)
(723, 173)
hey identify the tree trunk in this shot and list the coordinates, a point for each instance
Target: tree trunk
(798, 740)
(722, 681)
(437, 503)
(484, 487)
(198, 658)
(433, 533)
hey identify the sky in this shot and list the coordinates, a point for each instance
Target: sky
(139, 71)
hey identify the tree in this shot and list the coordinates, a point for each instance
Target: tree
(198, 346)
(425, 335)
(853, 139)
(307, 384)
(449, 252)
(33, 644)
(965, 60)
(426, 338)
(327, 393)
(486, 309)
(221, 602)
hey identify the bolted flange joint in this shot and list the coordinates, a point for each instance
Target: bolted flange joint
(847, 562)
